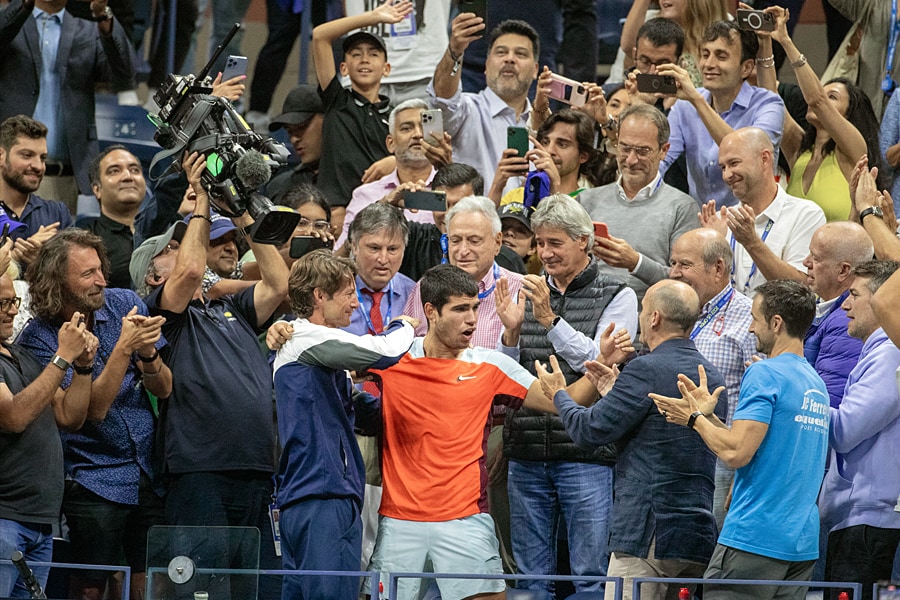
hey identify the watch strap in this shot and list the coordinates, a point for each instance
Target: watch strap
(693, 418)
(59, 361)
(872, 210)
(85, 370)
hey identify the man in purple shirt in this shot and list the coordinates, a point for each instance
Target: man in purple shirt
(726, 102)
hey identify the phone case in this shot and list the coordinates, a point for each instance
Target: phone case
(432, 124)
(517, 137)
(234, 66)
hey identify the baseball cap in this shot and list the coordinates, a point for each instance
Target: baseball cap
(140, 258)
(301, 105)
(4, 219)
(518, 212)
(219, 225)
(354, 40)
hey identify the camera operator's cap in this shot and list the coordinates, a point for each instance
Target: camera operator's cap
(4, 219)
(152, 247)
(301, 105)
(360, 37)
(517, 212)
(219, 225)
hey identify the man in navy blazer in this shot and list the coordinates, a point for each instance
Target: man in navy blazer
(87, 52)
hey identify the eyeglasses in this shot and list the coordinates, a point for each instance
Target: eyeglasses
(318, 225)
(641, 151)
(8, 303)
(644, 64)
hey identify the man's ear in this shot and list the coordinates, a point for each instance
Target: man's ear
(431, 312)
(747, 68)
(387, 69)
(845, 272)
(499, 240)
(343, 69)
(95, 187)
(664, 149)
(389, 142)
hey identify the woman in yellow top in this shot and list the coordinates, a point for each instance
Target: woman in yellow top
(842, 127)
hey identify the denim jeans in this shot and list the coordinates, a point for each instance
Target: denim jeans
(539, 492)
(35, 541)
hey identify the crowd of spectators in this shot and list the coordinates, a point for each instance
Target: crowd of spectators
(656, 343)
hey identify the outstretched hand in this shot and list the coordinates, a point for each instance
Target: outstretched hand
(694, 397)
(551, 380)
(601, 376)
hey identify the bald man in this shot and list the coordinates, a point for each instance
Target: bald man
(656, 529)
(769, 231)
(836, 248)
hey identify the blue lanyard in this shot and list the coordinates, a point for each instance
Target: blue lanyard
(487, 292)
(722, 303)
(445, 248)
(753, 268)
(888, 84)
(365, 313)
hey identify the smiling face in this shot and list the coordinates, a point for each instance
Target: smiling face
(686, 264)
(22, 166)
(472, 245)
(720, 65)
(85, 283)
(639, 153)
(8, 293)
(121, 187)
(338, 308)
(454, 325)
(858, 307)
(510, 66)
(743, 168)
(365, 64)
(562, 257)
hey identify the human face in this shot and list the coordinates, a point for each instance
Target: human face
(743, 169)
(761, 328)
(720, 65)
(85, 283)
(822, 270)
(378, 257)
(617, 103)
(562, 144)
(518, 237)
(338, 308)
(121, 188)
(222, 255)
(858, 307)
(454, 325)
(405, 141)
(23, 164)
(686, 264)
(7, 292)
(472, 244)
(312, 217)
(563, 258)
(837, 94)
(648, 57)
(636, 137)
(306, 138)
(510, 67)
(365, 65)
(672, 9)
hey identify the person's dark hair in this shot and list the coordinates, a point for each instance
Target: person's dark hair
(792, 301)
(441, 282)
(48, 274)
(727, 29)
(318, 269)
(456, 174)
(94, 168)
(585, 134)
(305, 193)
(20, 126)
(876, 271)
(376, 217)
(662, 32)
(862, 116)
(517, 27)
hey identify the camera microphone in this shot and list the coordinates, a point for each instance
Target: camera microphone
(252, 169)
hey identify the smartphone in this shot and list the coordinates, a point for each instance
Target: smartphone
(600, 230)
(755, 20)
(5, 235)
(425, 200)
(234, 67)
(479, 7)
(656, 84)
(567, 90)
(432, 125)
(517, 139)
(304, 244)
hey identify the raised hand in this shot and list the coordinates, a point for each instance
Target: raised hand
(510, 312)
(713, 218)
(602, 376)
(615, 347)
(391, 12)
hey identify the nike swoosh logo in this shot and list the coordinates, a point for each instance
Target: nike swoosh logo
(465, 378)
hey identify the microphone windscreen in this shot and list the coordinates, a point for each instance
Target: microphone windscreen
(252, 169)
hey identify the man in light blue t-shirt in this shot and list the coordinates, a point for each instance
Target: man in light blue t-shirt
(778, 443)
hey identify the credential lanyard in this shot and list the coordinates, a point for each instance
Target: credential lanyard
(445, 248)
(487, 292)
(722, 303)
(888, 84)
(763, 237)
(387, 319)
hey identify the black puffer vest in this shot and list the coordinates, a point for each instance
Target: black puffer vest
(538, 436)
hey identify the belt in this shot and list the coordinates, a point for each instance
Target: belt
(58, 169)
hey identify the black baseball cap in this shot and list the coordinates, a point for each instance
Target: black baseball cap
(360, 37)
(301, 105)
(518, 212)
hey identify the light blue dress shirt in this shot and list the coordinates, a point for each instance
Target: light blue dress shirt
(47, 110)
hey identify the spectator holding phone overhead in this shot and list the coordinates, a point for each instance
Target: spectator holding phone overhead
(841, 128)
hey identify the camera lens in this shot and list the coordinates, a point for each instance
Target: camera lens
(580, 89)
(656, 83)
(754, 21)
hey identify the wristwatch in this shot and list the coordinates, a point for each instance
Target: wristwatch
(693, 418)
(60, 362)
(106, 15)
(872, 210)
